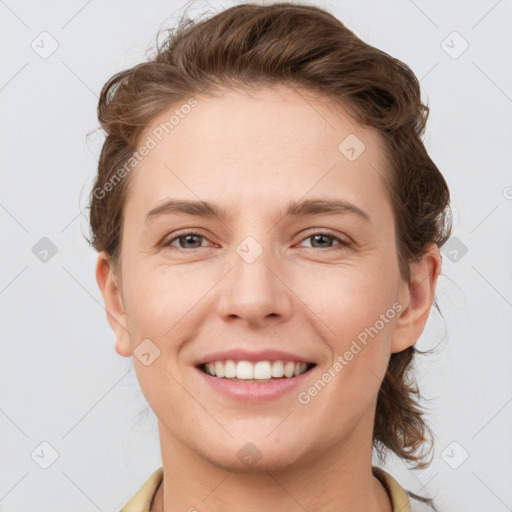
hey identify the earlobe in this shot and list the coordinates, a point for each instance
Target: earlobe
(114, 307)
(417, 298)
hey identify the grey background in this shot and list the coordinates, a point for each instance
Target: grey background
(61, 381)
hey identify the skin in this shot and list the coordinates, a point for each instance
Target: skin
(252, 154)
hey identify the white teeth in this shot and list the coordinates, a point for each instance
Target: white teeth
(289, 368)
(219, 369)
(244, 370)
(277, 369)
(261, 370)
(230, 369)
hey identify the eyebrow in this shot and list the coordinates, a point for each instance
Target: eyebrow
(302, 208)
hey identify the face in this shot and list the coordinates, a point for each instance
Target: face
(279, 270)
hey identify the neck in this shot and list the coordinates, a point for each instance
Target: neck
(340, 479)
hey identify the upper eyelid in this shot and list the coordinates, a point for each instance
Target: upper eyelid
(190, 231)
(343, 239)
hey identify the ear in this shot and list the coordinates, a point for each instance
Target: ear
(416, 297)
(112, 297)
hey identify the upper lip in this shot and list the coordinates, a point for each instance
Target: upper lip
(241, 354)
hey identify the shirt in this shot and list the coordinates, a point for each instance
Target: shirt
(399, 498)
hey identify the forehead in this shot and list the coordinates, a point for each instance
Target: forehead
(274, 144)
(279, 117)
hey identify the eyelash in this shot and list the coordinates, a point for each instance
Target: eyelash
(343, 244)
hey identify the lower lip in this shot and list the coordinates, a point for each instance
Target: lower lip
(255, 392)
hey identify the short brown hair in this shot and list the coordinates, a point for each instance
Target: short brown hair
(305, 47)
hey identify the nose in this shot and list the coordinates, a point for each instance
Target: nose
(255, 291)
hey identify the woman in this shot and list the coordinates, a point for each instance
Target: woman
(268, 224)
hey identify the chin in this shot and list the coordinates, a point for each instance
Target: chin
(255, 454)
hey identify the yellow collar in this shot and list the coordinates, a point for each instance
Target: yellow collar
(399, 500)
(143, 499)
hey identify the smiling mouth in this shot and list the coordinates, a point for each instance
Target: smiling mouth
(261, 371)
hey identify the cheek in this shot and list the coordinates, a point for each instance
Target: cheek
(161, 309)
(348, 299)
(158, 300)
(358, 308)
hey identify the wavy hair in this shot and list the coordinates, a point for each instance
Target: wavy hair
(306, 47)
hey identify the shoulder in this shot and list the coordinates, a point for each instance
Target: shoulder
(143, 498)
(402, 500)
(418, 505)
